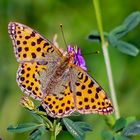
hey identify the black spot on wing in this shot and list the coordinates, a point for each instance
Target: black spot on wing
(86, 78)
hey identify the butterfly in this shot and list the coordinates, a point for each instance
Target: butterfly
(59, 80)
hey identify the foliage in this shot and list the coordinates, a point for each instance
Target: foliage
(77, 129)
(123, 129)
(117, 33)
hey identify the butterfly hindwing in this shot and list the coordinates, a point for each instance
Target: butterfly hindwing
(29, 45)
(60, 106)
(28, 79)
(90, 97)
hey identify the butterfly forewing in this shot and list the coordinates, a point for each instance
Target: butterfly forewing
(35, 53)
(29, 45)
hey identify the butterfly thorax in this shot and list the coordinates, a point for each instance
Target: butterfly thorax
(64, 64)
(61, 70)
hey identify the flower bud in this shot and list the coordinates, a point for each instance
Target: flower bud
(27, 103)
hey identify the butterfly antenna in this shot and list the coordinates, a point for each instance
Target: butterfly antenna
(61, 27)
(96, 52)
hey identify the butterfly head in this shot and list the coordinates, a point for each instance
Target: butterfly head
(78, 58)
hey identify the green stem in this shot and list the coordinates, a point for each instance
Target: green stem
(44, 117)
(53, 137)
(50, 125)
(106, 58)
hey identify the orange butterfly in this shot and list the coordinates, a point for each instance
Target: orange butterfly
(47, 74)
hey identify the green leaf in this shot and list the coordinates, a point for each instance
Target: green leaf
(110, 120)
(127, 48)
(23, 127)
(119, 31)
(132, 21)
(119, 137)
(132, 129)
(95, 36)
(107, 135)
(119, 125)
(37, 133)
(37, 117)
(77, 129)
(113, 40)
(129, 24)
(130, 119)
(122, 46)
(84, 126)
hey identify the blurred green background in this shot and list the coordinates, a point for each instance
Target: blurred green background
(78, 19)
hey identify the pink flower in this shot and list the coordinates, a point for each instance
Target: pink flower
(78, 58)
